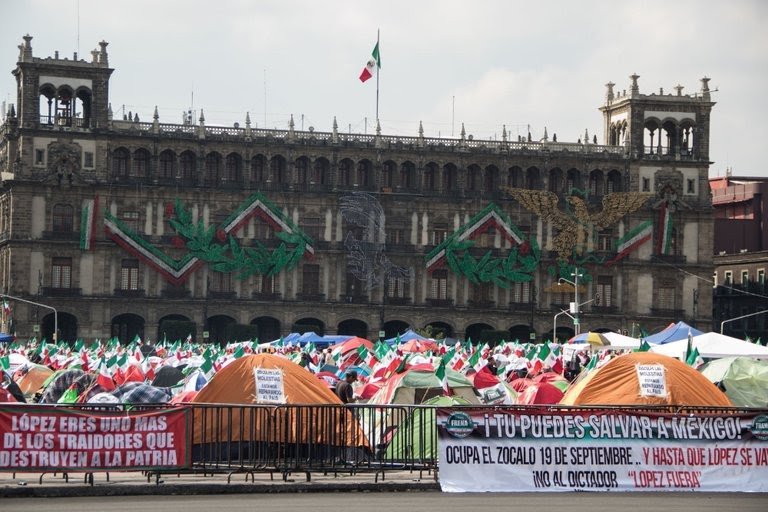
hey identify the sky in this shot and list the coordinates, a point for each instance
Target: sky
(485, 64)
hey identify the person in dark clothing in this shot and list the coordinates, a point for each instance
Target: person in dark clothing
(344, 387)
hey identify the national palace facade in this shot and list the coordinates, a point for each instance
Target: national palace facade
(121, 225)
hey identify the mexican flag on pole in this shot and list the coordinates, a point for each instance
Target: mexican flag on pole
(104, 379)
(442, 377)
(631, 241)
(373, 64)
(694, 359)
(366, 356)
(664, 242)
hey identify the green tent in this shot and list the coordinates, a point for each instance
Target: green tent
(745, 380)
(415, 440)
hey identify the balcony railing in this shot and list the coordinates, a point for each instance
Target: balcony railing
(398, 301)
(50, 291)
(354, 299)
(124, 293)
(311, 297)
(61, 235)
(217, 295)
(175, 293)
(440, 303)
(267, 296)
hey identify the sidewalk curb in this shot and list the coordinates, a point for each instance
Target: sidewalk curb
(80, 491)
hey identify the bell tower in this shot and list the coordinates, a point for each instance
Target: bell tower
(659, 126)
(62, 93)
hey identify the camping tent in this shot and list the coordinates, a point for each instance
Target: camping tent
(415, 439)
(673, 332)
(406, 336)
(419, 384)
(237, 384)
(713, 345)
(745, 379)
(621, 381)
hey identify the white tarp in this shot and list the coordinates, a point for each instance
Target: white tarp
(713, 345)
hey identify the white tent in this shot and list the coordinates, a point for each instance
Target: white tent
(619, 341)
(712, 345)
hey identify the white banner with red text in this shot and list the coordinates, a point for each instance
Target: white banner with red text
(38, 439)
(509, 450)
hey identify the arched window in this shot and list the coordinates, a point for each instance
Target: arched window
(514, 177)
(556, 181)
(532, 179)
(430, 177)
(167, 165)
(258, 166)
(141, 163)
(234, 168)
(302, 171)
(450, 178)
(473, 177)
(490, 178)
(62, 218)
(596, 183)
(613, 183)
(572, 181)
(120, 163)
(407, 173)
(322, 172)
(212, 169)
(277, 166)
(364, 173)
(345, 173)
(388, 173)
(188, 164)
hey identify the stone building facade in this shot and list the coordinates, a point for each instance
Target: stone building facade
(121, 225)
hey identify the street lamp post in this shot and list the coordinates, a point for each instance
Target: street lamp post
(55, 313)
(575, 303)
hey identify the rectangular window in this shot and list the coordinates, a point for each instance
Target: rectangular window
(312, 227)
(131, 219)
(745, 277)
(714, 280)
(129, 274)
(690, 186)
(605, 289)
(310, 279)
(761, 276)
(481, 292)
(354, 286)
(396, 236)
(665, 296)
(88, 160)
(397, 288)
(521, 293)
(646, 184)
(728, 278)
(439, 284)
(439, 236)
(265, 284)
(605, 240)
(61, 273)
(39, 157)
(220, 282)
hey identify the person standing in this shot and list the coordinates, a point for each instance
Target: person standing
(344, 387)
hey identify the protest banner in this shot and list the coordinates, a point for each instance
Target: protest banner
(508, 450)
(35, 438)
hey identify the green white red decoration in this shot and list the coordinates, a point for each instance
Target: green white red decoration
(216, 245)
(454, 252)
(632, 240)
(88, 223)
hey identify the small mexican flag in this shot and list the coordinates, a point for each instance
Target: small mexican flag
(443, 377)
(372, 65)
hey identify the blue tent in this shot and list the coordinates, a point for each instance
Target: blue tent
(674, 332)
(6, 338)
(301, 340)
(406, 336)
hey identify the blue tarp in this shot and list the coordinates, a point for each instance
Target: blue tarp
(674, 332)
(6, 338)
(301, 340)
(406, 336)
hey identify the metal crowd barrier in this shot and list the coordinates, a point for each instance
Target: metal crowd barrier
(294, 439)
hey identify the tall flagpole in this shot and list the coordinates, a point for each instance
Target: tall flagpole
(378, 70)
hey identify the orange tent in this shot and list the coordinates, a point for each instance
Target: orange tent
(618, 382)
(236, 383)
